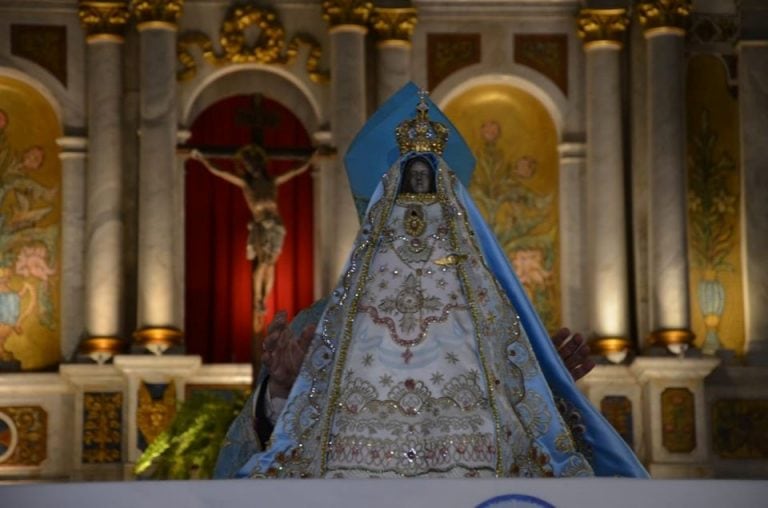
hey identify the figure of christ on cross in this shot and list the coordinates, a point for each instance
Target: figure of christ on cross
(266, 229)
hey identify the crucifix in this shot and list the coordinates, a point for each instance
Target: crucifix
(266, 230)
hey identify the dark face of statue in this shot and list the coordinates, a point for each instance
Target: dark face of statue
(418, 177)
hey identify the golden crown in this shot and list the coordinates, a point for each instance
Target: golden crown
(420, 134)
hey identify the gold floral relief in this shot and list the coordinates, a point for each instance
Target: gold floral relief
(714, 180)
(102, 427)
(155, 411)
(31, 427)
(515, 183)
(30, 217)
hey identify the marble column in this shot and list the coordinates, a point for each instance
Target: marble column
(72, 155)
(602, 31)
(323, 175)
(156, 21)
(104, 24)
(348, 26)
(572, 208)
(753, 115)
(394, 29)
(663, 22)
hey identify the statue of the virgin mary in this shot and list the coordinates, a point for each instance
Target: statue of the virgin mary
(428, 359)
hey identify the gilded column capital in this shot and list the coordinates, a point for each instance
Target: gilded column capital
(162, 14)
(347, 12)
(602, 27)
(103, 21)
(664, 16)
(394, 25)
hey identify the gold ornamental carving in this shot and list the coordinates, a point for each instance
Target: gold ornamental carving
(602, 27)
(157, 13)
(31, 424)
(347, 12)
(270, 46)
(394, 24)
(103, 21)
(102, 427)
(154, 416)
(664, 16)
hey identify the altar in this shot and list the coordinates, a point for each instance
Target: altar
(593, 492)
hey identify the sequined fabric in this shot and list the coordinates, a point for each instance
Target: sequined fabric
(419, 366)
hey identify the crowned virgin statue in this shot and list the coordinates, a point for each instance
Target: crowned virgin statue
(428, 359)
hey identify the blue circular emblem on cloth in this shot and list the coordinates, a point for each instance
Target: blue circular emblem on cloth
(515, 501)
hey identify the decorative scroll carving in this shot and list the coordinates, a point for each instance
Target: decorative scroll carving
(664, 14)
(393, 24)
(270, 46)
(347, 12)
(103, 20)
(166, 12)
(600, 26)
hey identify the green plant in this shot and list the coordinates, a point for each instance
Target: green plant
(189, 447)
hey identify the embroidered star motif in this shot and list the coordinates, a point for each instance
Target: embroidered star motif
(452, 358)
(442, 283)
(368, 359)
(383, 285)
(437, 378)
(385, 380)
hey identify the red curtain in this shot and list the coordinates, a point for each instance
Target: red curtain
(218, 300)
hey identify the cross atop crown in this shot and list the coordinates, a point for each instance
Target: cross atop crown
(420, 134)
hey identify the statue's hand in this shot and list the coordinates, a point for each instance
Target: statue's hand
(283, 353)
(196, 155)
(574, 353)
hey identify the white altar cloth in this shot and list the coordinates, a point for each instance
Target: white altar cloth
(571, 493)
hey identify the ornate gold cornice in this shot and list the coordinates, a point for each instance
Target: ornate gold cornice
(347, 12)
(602, 27)
(271, 47)
(394, 24)
(103, 21)
(664, 16)
(156, 13)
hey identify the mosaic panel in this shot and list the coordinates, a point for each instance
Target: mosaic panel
(740, 428)
(617, 409)
(546, 53)
(678, 420)
(45, 45)
(450, 52)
